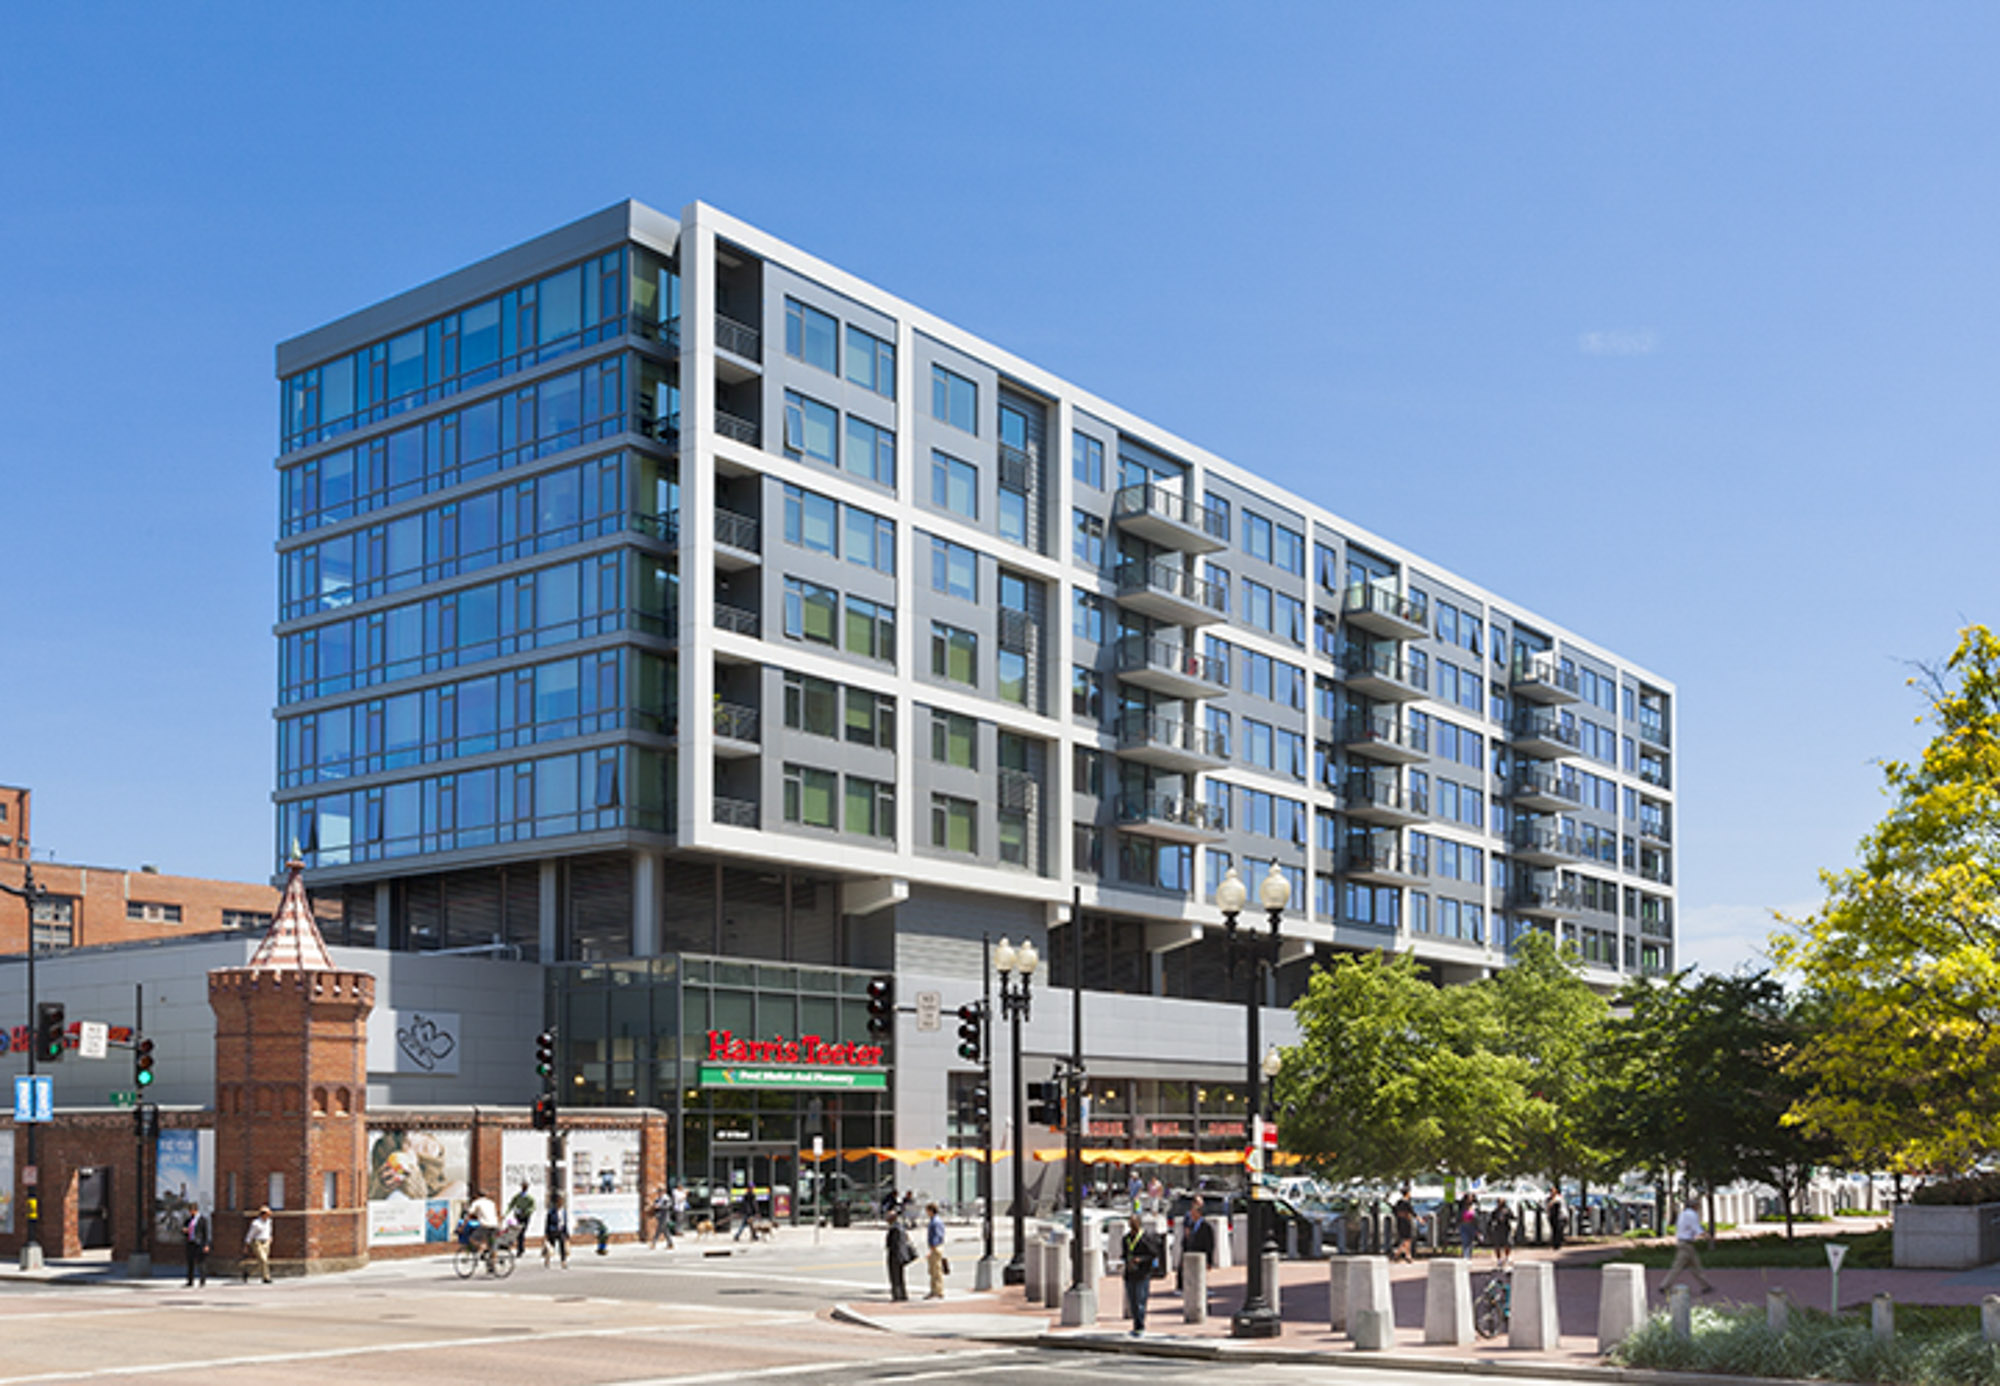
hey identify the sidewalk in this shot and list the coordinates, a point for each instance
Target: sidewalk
(1304, 1304)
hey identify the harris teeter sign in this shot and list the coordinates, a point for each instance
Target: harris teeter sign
(809, 1061)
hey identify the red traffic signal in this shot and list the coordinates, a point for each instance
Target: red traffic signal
(881, 1005)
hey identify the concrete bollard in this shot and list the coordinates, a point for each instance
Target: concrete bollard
(1031, 1271)
(1274, 1275)
(1225, 1241)
(1337, 1274)
(1448, 1302)
(1882, 1317)
(1777, 1311)
(1055, 1255)
(1368, 1292)
(1680, 1303)
(1621, 1303)
(1194, 1287)
(1374, 1330)
(1989, 1318)
(1532, 1321)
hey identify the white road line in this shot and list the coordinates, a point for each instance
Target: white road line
(822, 1368)
(326, 1354)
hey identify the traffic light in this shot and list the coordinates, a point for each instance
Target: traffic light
(979, 1100)
(881, 1005)
(971, 1031)
(545, 1054)
(49, 1026)
(142, 1063)
(1044, 1105)
(545, 1113)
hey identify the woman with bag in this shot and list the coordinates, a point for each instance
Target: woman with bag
(900, 1252)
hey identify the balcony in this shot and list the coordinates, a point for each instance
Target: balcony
(1170, 519)
(737, 733)
(1654, 772)
(1543, 734)
(1020, 470)
(1652, 730)
(1542, 680)
(1544, 846)
(1169, 667)
(1536, 900)
(1379, 611)
(1169, 818)
(739, 350)
(1380, 674)
(735, 813)
(738, 541)
(1168, 593)
(1655, 830)
(1541, 788)
(738, 620)
(1385, 739)
(1169, 743)
(737, 429)
(1373, 800)
(1384, 863)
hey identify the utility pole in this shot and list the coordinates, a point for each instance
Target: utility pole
(30, 895)
(1080, 1304)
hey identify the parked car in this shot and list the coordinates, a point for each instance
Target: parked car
(1311, 1227)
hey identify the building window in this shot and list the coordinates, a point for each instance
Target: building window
(1288, 551)
(1013, 518)
(811, 611)
(1257, 604)
(1086, 693)
(871, 451)
(954, 740)
(954, 823)
(812, 336)
(870, 540)
(871, 807)
(954, 485)
(812, 521)
(871, 362)
(954, 653)
(871, 629)
(954, 570)
(810, 704)
(871, 719)
(1087, 771)
(1087, 848)
(954, 399)
(1087, 538)
(1087, 616)
(811, 430)
(152, 913)
(810, 795)
(1256, 535)
(1010, 669)
(245, 919)
(1086, 460)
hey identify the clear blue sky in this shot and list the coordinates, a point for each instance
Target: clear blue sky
(1674, 322)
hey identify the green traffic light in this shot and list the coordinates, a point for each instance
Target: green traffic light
(144, 1078)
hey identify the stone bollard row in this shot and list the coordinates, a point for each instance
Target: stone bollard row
(1194, 1287)
(1370, 1311)
(1532, 1321)
(1621, 1303)
(1448, 1303)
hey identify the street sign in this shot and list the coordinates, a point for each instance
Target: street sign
(930, 1006)
(126, 1098)
(93, 1039)
(34, 1097)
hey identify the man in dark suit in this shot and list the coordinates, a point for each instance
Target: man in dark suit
(199, 1235)
(1197, 1234)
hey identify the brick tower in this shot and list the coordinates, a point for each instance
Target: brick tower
(291, 1095)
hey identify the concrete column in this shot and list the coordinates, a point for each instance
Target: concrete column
(1882, 1317)
(1532, 1321)
(1368, 1294)
(1338, 1272)
(1448, 1302)
(1194, 1287)
(1621, 1303)
(1031, 1266)
(645, 904)
(1274, 1275)
(385, 901)
(549, 921)
(1055, 1257)
(1680, 1303)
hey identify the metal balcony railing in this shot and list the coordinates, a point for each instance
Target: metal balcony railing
(737, 619)
(1528, 837)
(1386, 731)
(1136, 651)
(735, 813)
(734, 427)
(1543, 670)
(1384, 859)
(1148, 729)
(1381, 601)
(1137, 575)
(738, 531)
(1367, 791)
(1169, 808)
(1546, 783)
(1145, 498)
(1542, 727)
(1382, 664)
(736, 722)
(739, 338)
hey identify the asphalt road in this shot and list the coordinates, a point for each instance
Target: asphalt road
(633, 1318)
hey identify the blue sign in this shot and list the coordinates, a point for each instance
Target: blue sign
(34, 1098)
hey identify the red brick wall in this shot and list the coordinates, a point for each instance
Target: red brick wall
(101, 896)
(14, 805)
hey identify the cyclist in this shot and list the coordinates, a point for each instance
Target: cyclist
(485, 1225)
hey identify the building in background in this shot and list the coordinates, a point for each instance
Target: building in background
(14, 803)
(674, 609)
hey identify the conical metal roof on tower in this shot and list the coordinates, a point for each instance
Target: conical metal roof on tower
(294, 944)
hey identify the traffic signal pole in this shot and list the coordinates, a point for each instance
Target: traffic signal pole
(30, 895)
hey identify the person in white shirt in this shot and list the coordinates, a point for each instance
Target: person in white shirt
(257, 1241)
(485, 1220)
(1687, 1231)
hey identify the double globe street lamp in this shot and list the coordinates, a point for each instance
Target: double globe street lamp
(1016, 967)
(1256, 1319)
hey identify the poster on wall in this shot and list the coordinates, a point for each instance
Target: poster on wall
(183, 1178)
(416, 1184)
(7, 1184)
(524, 1158)
(604, 1179)
(412, 1041)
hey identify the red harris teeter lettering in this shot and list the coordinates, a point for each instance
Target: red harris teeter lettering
(725, 1048)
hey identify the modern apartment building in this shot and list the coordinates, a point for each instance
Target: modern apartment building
(671, 607)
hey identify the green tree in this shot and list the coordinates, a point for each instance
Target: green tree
(1546, 1016)
(1902, 961)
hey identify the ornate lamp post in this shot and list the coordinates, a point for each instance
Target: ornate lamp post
(1256, 1319)
(1016, 967)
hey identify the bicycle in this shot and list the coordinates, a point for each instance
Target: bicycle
(498, 1258)
(1494, 1306)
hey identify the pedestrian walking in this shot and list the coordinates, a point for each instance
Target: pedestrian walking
(747, 1216)
(680, 1212)
(934, 1261)
(663, 1218)
(1142, 1253)
(257, 1241)
(1500, 1232)
(1468, 1225)
(1405, 1214)
(1197, 1235)
(199, 1235)
(520, 1212)
(1687, 1257)
(1558, 1216)
(899, 1253)
(555, 1232)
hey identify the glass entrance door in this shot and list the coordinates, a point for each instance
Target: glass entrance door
(769, 1173)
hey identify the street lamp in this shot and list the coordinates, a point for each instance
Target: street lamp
(1256, 1319)
(1016, 967)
